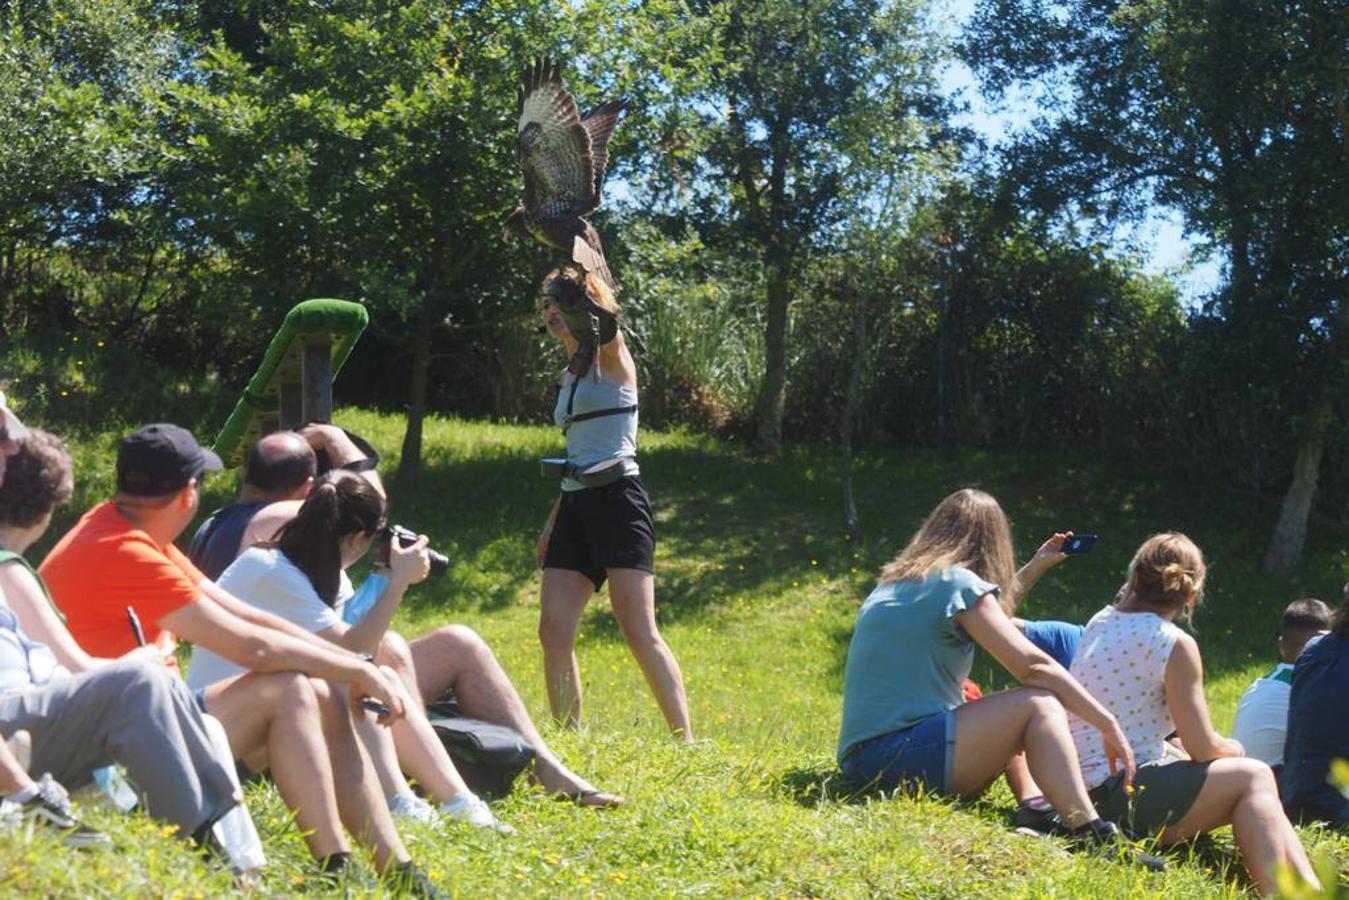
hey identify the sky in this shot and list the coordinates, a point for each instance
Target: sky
(1161, 237)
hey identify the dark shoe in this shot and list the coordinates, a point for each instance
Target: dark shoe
(50, 807)
(1105, 836)
(1038, 816)
(409, 880)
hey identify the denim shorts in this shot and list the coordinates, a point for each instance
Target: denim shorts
(921, 756)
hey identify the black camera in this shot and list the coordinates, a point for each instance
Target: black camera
(406, 537)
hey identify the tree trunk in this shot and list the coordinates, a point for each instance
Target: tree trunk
(1285, 545)
(777, 254)
(410, 462)
(852, 522)
(773, 393)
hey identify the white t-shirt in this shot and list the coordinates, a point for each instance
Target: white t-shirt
(1262, 715)
(264, 578)
(1121, 661)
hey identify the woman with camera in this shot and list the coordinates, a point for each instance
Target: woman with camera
(600, 528)
(300, 576)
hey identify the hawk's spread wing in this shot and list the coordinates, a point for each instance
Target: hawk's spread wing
(599, 123)
(552, 146)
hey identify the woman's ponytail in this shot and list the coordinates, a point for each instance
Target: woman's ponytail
(341, 503)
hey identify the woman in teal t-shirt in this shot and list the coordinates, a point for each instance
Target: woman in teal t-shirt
(952, 587)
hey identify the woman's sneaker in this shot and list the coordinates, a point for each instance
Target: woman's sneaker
(414, 809)
(50, 807)
(1106, 836)
(469, 807)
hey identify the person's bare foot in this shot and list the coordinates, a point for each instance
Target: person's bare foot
(563, 784)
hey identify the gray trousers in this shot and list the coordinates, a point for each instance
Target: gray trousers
(135, 713)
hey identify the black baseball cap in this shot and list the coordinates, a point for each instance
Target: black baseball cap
(160, 459)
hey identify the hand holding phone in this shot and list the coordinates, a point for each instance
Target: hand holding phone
(1078, 543)
(374, 706)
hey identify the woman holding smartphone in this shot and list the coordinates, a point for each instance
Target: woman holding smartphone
(904, 720)
(600, 528)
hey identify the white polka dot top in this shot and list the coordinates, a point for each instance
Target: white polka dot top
(1121, 661)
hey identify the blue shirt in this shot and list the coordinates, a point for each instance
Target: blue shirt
(1318, 731)
(1058, 639)
(908, 659)
(216, 543)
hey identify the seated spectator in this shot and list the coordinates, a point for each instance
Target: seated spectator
(1318, 730)
(121, 555)
(301, 578)
(40, 478)
(278, 469)
(1147, 672)
(904, 722)
(450, 660)
(45, 802)
(1262, 715)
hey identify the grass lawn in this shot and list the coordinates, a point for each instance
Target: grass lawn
(756, 591)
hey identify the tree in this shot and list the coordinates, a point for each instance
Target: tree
(365, 149)
(1234, 113)
(795, 95)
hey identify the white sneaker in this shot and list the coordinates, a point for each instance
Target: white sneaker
(469, 807)
(414, 809)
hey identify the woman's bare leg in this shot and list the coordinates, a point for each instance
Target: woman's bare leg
(989, 732)
(633, 595)
(272, 721)
(562, 599)
(455, 657)
(1019, 780)
(1242, 792)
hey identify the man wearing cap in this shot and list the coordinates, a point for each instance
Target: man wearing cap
(120, 556)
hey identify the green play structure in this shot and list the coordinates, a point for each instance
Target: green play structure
(294, 383)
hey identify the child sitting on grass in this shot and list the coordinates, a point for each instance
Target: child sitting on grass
(1262, 714)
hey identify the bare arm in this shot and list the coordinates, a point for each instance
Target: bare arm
(614, 357)
(990, 628)
(1047, 557)
(1185, 698)
(36, 617)
(341, 450)
(267, 521)
(255, 616)
(407, 566)
(262, 649)
(541, 546)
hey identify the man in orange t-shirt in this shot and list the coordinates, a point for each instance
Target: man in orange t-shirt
(121, 555)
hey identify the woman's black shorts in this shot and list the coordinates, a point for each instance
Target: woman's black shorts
(603, 528)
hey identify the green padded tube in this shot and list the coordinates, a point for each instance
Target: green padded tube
(340, 320)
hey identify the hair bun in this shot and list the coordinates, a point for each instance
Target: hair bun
(1176, 580)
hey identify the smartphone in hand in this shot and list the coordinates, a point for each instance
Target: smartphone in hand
(1078, 543)
(373, 706)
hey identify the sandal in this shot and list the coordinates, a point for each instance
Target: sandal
(591, 799)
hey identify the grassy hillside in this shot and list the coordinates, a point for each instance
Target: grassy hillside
(756, 592)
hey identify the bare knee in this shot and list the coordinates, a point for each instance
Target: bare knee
(556, 636)
(294, 694)
(395, 652)
(1042, 706)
